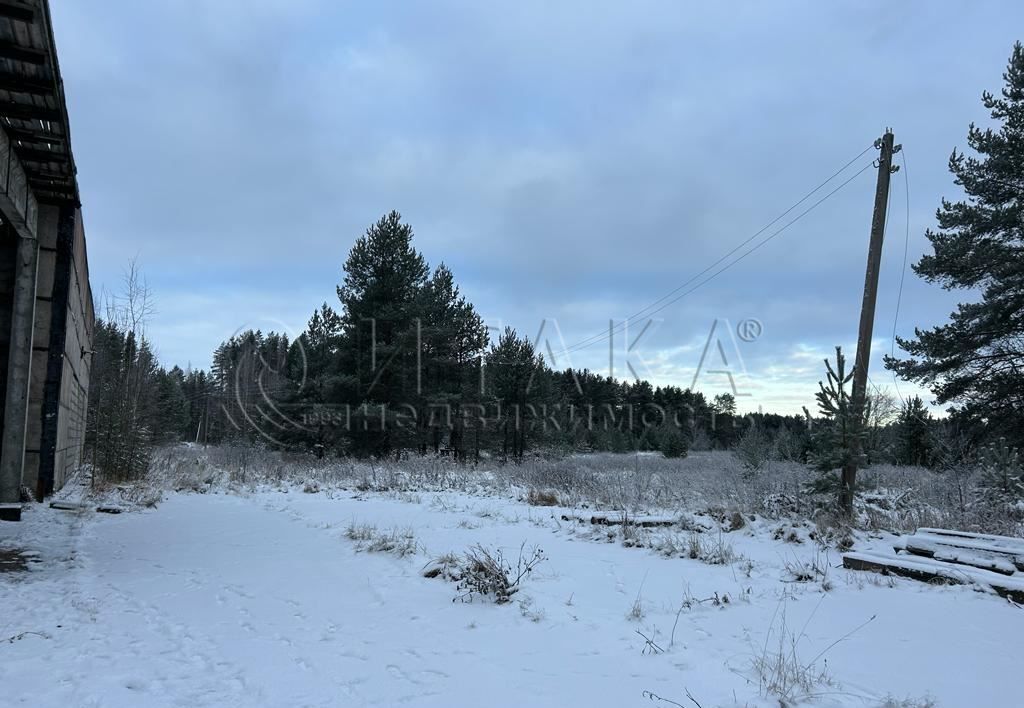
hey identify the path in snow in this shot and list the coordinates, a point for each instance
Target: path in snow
(223, 600)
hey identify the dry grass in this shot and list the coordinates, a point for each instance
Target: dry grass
(538, 498)
(368, 537)
(897, 498)
(783, 673)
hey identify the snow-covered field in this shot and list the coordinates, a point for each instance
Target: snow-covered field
(264, 599)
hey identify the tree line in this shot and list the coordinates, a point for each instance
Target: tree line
(426, 378)
(404, 364)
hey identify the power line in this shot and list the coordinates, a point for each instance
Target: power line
(762, 243)
(647, 311)
(598, 337)
(903, 273)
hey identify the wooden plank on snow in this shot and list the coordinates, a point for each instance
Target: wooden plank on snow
(932, 571)
(618, 518)
(997, 562)
(68, 505)
(1006, 542)
(966, 545)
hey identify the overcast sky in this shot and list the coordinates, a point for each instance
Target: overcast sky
(571, 162)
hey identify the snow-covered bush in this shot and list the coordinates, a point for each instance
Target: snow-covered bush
(484, 573)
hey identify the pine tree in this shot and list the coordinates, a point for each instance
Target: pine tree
(384, 279)
(452, 339)
(724, 404)
(914, 434)
(976, 360)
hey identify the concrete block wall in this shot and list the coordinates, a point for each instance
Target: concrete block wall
(8, 250)
(77, 360)
(61, 352)
(46, 233)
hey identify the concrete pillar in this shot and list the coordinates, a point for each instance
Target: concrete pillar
(19, 366)
(52, 373)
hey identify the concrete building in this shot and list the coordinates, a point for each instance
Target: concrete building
(46, 309)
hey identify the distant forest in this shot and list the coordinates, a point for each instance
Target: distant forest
(427, 379)
(403, 364)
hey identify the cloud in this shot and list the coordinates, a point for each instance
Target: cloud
(573, 160)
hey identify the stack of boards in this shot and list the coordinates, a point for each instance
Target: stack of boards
(952, 557)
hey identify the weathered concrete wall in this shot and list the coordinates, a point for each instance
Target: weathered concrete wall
(46, 232)
(76, 362)
(19, 359)
(61, 352)
(8, 249)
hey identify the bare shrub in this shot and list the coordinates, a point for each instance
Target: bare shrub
(488, 573)
(485, 573)
(650, 645)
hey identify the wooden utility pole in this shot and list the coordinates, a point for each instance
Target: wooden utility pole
(867, 315)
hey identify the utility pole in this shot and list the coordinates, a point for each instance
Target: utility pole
(867, 315)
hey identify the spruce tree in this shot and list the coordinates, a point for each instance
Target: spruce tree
(170, 407)
(976, 360)
(1002, 476)
(673, 442)
(838, 437)
(512, 367)
(318, 387)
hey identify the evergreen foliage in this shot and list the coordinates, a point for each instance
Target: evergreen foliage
(976, 360)
(673, 443)
(914, 434)
(836, 438)
(1002, 474)
(129, 399)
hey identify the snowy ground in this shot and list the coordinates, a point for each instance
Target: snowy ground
(262, 600)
